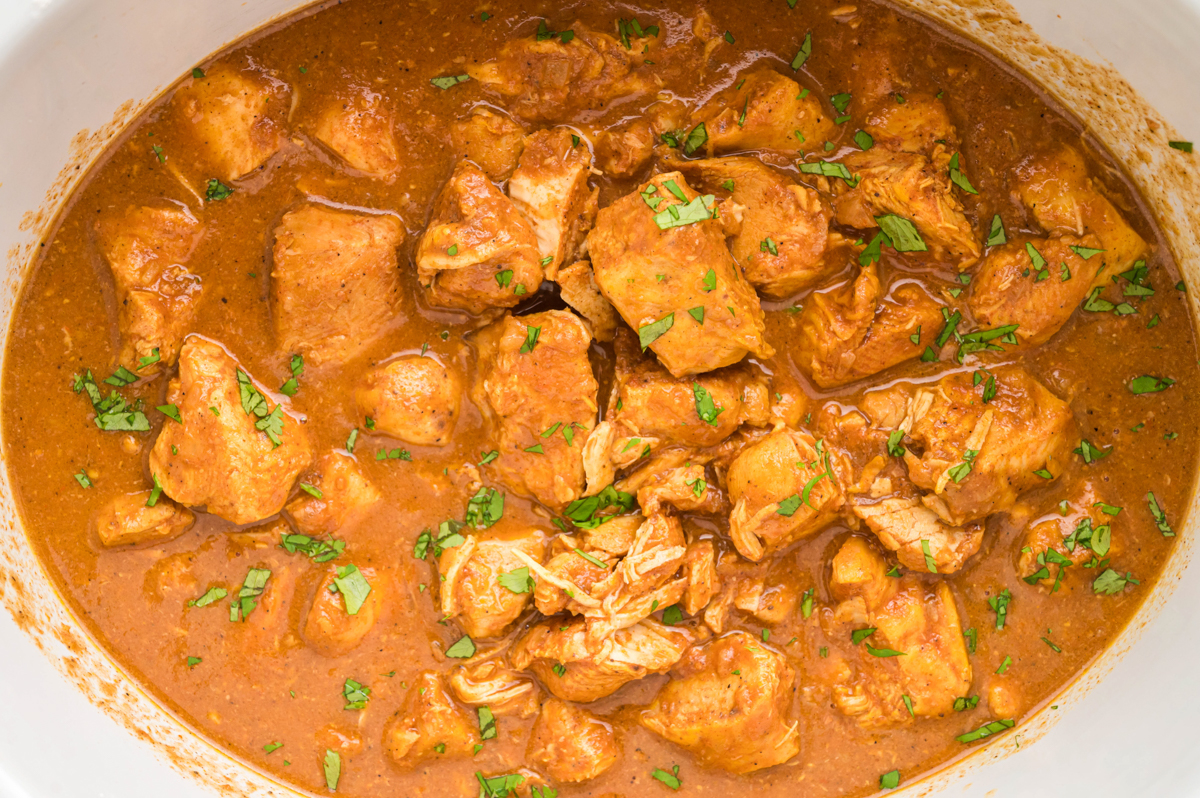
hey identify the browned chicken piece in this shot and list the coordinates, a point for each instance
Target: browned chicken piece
(914, 187)
(237, 116)
(650, 408)
(551, 188)
(764, 111)
(1056, 188)
(479, 251)
(1058, 539)
(470, 589)
(1035, 284)
(537, 388)
(909, 616)
(675, 282)
(904, 525)
(574, 669)
(547, 79)
(334, 282)
(568, 579)
(329, 627)
(686, 489)
(785, 226)
(857, 330)
(700, 571)
(359, 128)
(615, 536)
(429, 725)
(625, 151)
(217, 458)
(415, 398)
(128, 520)
(146, 247)
(728, 704)
(492, 141)
(976, 457)
(493, 684)
(919, 124)
(577, 286)
(571, 744)
(751, 589)
(341, 496)
(783, 488)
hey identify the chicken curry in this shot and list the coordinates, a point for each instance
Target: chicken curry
(757, 398)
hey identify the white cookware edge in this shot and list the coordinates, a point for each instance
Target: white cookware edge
(1133, 735)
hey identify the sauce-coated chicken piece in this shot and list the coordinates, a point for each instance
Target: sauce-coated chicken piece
(479, 251)
(342, 497)
(728, 703)
(429, 725)
(544, 78)
(976, 456)
(535, 377)
(577, 286)
(470, 589)
(574, 669)
(488, 681)
(146, 248)
(909, 616)
(625, 151)
(329, 628)
(764, 111)
(415, 398)
(127, 520)
(237, 117)
(904, 525)
(334, 281)
(570, 743)
(783, 488)
(492, 141)
(785, 226)
(857, 330)
(551, 188)
(217, 457)
(674, 280)
(359, 128)
(650, 408)
(1075, 532)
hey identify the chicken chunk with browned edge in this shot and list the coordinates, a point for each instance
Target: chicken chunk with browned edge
(728, 703)
(359, 127)
(470, 588)
(490, 140)
(330, 627)
(129, 519)
(659, 256)
(429, 726)
(538, 391)
(415, 398)
(338, 496)
(764, 110)
(572, 744)
(334, 283)
(235, 451)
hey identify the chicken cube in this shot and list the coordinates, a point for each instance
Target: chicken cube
(575, 669)
(673, 280)
(545, 78)
(537, 387)
(857, 330)
(904, 525)
(491, 683)
(415, 398)
(1038, 296)
(229, 453)
(918, 124)
(570, 743)
(550, 187)
(975, 456)
(329, 627)
(334, 284)
(570, 575)
(470, 588)
(908, 616)
(359, 128)
(577, 286)
(685, 488)
(783, 488)
(146, 247)
(429, 725)
(914, 187)
(659, 411)
(493, 142)
(479, 251)
(728, 703)
(1072, 535)
(237, 116)
(764, 111)
(625, 151)
(128, 520)
(785, 226)
(340, 498)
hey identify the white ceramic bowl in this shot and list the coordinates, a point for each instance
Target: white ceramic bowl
(70, 723)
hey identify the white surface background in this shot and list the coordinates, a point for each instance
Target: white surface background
(1133, 735)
